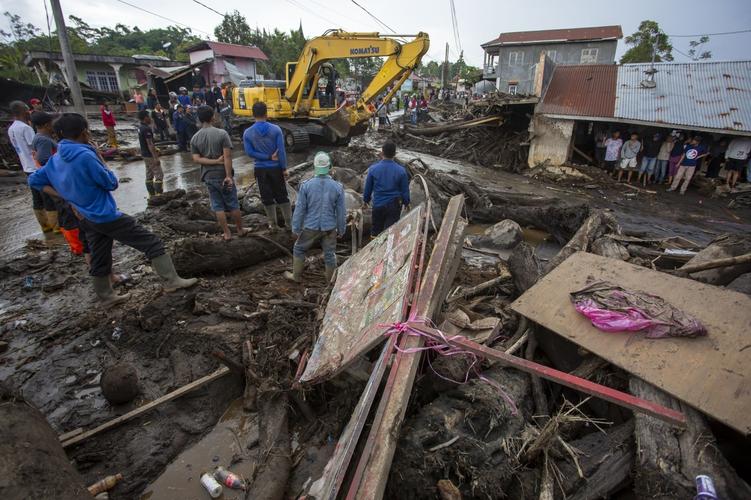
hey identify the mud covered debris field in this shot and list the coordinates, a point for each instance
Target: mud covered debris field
(497, 433)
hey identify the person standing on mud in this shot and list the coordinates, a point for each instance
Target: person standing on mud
(264, 142)
(691, 157)
(108, 120)
(160, 121)
(78, 175)
(737, 155)
(181, 127)
(225, 112)
(320, 215)
(43, 147)
(212, 150)
(387, 184)
(21, 137)
(154, 174)
(629, 152)
(613, 146)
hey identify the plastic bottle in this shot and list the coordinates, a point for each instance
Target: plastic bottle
(210, 484)
(229, 479)
(105, 484)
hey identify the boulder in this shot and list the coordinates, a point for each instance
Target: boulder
(119, 383)
(504, 235)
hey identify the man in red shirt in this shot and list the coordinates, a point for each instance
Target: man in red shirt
(108, 119)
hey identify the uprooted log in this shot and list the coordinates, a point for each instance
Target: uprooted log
(604, 459)
(723, 247)
(598, 224)
(271, 480)
(33, 463)
(524, 266)
(455, 125)
(201, 256)
(667, 462)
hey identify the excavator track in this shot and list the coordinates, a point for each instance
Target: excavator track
(296, 138)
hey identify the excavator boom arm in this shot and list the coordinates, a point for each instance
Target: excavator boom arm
(400, 59)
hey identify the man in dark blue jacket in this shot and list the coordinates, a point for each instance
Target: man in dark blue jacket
(388, 185)
(78, 175)
(181, 127)
(264, 142)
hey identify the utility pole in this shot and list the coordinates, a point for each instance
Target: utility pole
(68, 60)
(445, 72)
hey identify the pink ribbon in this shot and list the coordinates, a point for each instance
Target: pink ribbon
(443, 348)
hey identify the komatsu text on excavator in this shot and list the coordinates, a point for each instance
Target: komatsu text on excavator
(304, 113)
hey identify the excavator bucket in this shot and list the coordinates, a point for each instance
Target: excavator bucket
(338, 121)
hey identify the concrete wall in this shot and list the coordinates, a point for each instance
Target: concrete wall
(551, 140)
(521, 70)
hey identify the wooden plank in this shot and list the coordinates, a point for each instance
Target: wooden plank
(371, 290)
(572, 381)
(371, 475)
(221, 372)
(712, 373)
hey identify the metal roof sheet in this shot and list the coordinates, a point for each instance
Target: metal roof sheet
(586, 90)
(714, 95)
(230, 50)
(558, 35)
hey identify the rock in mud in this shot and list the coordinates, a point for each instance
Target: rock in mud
(119, 383)
(251, 203)
(348, 177)
(504, 235)
(740, 284)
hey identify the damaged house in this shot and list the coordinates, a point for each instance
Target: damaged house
(512, 59)
(710, 98)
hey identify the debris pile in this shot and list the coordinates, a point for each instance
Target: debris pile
(491, 132)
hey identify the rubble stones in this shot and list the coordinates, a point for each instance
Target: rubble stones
(119, 383)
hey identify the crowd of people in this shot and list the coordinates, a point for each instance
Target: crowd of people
(72, 186)
(673, 159)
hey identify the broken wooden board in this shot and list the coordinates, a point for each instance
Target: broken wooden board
(712, 373)
(370, 291)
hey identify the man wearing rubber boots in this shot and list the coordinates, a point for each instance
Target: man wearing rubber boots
(320, 215)
(78, 175)
(264, 142)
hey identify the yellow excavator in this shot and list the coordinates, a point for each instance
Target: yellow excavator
(306, 113)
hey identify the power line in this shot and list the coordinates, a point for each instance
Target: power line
(374, 17)
(327, 8)
(712, 34)
(455, 26)
(210, 8)
(163, 17)
(300, 6)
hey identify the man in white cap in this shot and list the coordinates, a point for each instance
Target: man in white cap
(319, 216)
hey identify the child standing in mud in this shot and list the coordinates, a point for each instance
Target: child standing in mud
(79, 176)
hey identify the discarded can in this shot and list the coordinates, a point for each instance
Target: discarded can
(117, 333)
(705, 489)
(210, 484)
(229, 479)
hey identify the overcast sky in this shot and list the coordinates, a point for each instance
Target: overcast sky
(479, 20)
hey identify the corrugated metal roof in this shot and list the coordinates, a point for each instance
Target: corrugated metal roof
(715, 95)
(562, 35)
(587, 90)
(231, 50)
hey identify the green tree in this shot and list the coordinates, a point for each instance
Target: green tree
(234, 28)
(647, 39)
(695, 51)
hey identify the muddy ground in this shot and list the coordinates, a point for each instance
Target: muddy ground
(59, 340)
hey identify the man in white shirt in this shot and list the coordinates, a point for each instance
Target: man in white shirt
(737, 155)
(21, 136)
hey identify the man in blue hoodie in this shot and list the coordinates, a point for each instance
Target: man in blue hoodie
(264, 142)
(78, 175)
(320, 215)
(388, 185)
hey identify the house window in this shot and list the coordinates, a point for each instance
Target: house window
(589, 56)
(552, 54)
(512, 89)
(515, 58)
(104, 81)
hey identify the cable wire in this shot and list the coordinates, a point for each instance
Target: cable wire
(374, 17)
(294, 3)
(712, 34)
(455, 26)
(163, 17)
(210, 8)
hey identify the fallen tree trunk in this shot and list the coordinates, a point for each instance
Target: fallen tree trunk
(714, 264)
(723, 247)
(271, 481)
(668, 461)
(201, 256)
(598, 224)
(524, 266)
(32, 461)
(605, 460)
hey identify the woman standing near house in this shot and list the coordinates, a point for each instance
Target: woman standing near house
(138, 99)
(663, 157)
(151, 100)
